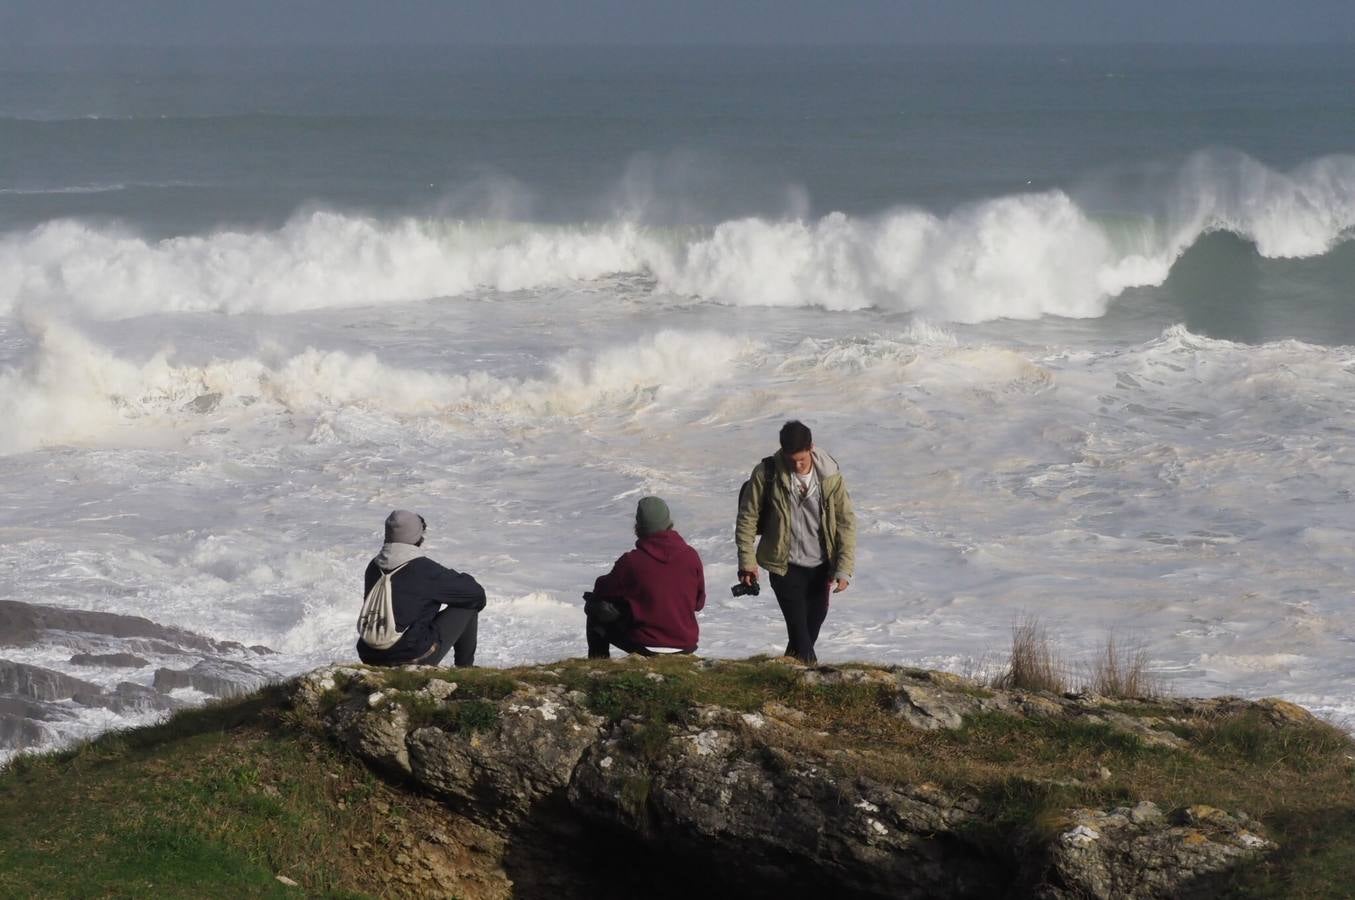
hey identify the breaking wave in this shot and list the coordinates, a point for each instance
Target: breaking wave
(71, 390)
(1021, 256)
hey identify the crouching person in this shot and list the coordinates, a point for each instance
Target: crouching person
(416, 611)
(648, 602)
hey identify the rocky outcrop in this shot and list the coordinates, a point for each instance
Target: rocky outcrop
(723, 801)
(116, 660)
(1137, 852)
(22, 624)
(537, 743)
(216, 677)
(106, 648)
(35, 703)
(726, 791)
(25, 682)
(23, 723)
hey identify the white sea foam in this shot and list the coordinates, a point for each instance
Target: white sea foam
(71, 390)
(1190, 491)
(1022, 256)
(318, 260)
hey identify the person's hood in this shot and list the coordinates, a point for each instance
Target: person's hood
(824, 464)
(393, 556)
(662, 545)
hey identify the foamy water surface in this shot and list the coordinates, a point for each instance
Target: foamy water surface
(1083, 345)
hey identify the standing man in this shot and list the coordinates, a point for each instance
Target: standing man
(649, 600)
(797, 501)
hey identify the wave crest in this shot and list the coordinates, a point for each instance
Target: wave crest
(71, 390)
(1020, 256)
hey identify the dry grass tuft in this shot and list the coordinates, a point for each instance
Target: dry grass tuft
(1033, 665)
(1122, 673)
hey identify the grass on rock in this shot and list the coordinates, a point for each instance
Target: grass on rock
(218, 801)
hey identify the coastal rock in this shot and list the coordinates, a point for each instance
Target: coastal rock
(17, 732)
(217, 677)
(131, 697)
(1133, 853)
(24, 723)
(114, 660)
(22, 624)
(36, 683)
(759, 802)
(379, 737)
(97, 640)
(764, 816)
(528, 756)
(930, 708)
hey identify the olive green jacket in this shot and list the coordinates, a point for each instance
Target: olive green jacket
(837, 521)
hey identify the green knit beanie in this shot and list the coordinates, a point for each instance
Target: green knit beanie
(652, 516)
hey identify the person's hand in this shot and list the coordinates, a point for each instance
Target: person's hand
(748, 578)
(840, 586)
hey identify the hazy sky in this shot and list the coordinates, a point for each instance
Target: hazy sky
(250, 22)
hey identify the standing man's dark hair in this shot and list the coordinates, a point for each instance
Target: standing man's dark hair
(797, 501)
(796, 437)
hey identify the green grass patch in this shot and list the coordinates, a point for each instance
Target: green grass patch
(1005, 738)
(215, 802)
(1251, 738)
(471, 683)
(1316, 859)
(637, 694)
(457, 716)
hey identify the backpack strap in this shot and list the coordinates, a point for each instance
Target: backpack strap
(768, 473)
(768, 484)
(391, 573)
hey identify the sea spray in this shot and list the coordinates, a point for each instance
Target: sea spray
(1019, 257)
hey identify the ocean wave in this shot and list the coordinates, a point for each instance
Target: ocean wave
(1021, 256)
(109, 188)
(71, 390)
(319, 260)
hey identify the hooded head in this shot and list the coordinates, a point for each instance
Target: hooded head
(651, 517)
(405, 527)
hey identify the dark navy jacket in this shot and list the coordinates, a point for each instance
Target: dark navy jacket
(422, 588)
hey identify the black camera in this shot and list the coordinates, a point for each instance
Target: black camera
(746, 590)
(600, 610)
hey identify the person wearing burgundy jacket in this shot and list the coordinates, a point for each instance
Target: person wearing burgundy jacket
(649, 600)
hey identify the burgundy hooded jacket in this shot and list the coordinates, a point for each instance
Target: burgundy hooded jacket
(665, 585)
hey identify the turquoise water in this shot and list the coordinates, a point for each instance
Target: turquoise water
(167, 143)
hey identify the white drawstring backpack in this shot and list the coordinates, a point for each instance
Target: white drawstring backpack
(376, 622)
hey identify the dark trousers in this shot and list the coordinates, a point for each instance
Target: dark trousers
(608, 625)
(802, 594)
(457, 631)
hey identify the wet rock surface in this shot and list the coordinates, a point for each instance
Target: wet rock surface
(115, 660)
(22, 624)
(25, 682)
(126, 665)
(217, 677)
(729, 802)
